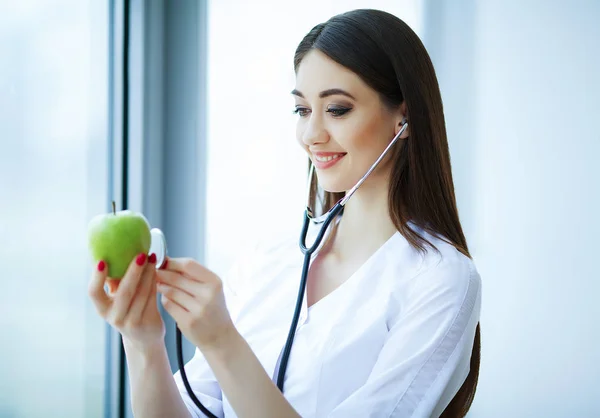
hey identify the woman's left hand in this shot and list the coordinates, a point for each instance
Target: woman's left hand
(193, 296)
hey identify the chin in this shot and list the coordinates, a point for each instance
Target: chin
(333, 186)
(335, 190)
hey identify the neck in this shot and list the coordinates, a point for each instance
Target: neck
(365, 224)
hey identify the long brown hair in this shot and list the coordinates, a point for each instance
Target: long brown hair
(388, 56)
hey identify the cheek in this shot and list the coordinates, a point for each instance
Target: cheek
(363, 137)
(300, 134)
(365, 143)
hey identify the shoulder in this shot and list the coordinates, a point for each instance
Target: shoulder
(447, 273)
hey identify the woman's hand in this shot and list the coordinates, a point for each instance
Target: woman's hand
(193, 296)
(130, 306)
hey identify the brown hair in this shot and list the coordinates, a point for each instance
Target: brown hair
(387, 55)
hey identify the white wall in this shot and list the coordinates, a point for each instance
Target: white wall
(521, 87)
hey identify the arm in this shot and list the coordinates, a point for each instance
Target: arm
(153, 390)
(421, 365)
(156, 392)
(206, 307)
(245, 382)
(231, 362)
(201, 378)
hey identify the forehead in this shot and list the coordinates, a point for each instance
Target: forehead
(318, 72)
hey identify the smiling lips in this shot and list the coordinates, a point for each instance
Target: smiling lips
(324, 160)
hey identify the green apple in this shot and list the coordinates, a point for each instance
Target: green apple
(117, 238)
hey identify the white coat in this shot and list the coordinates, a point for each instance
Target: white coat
(394, 340)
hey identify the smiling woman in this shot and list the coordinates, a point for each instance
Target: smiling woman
(378, 62)
(388, 323)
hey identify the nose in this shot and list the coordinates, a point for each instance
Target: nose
(314, 132)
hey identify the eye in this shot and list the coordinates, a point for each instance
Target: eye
(302, 111)
(338, 111)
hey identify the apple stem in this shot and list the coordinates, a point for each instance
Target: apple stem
(114, 208)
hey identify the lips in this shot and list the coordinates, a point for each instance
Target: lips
(324, 160)
(324, 155)
(329, 156)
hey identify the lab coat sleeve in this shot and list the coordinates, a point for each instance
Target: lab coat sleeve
(200, 376)
(425, 358)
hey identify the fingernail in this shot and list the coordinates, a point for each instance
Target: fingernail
(152, 258)
(164, 264)
(101, 265)
(140, 259)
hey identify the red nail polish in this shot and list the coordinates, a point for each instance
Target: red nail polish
(165, 264)
(101, 265)
(152, 258)
(140, 259)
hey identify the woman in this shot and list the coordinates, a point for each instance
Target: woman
(390, 322)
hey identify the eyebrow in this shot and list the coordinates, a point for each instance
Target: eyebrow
(326, 93)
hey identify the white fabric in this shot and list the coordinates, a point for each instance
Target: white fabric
(394, 340)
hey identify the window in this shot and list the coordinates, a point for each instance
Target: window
(53, 178)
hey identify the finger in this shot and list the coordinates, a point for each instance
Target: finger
(174, 309)
(96, 289)
(190, 268)
(178, 280)
(183, 299)
(127, 287)
(151, 302)
(143, 291)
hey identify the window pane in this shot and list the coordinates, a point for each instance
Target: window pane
(53, 178)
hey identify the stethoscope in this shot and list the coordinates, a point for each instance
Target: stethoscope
(159, 247)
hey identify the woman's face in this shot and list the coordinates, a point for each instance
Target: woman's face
(342, 123)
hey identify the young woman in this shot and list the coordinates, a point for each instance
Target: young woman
(389, 325)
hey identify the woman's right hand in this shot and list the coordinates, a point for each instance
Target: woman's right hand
(131, 305)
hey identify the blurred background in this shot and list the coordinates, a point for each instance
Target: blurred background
(181, 110)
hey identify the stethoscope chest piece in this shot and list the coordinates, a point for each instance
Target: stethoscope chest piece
(158, 246)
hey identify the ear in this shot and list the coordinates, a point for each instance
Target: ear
(402, 118)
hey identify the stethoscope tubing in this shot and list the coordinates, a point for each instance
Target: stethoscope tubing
(308, 252)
